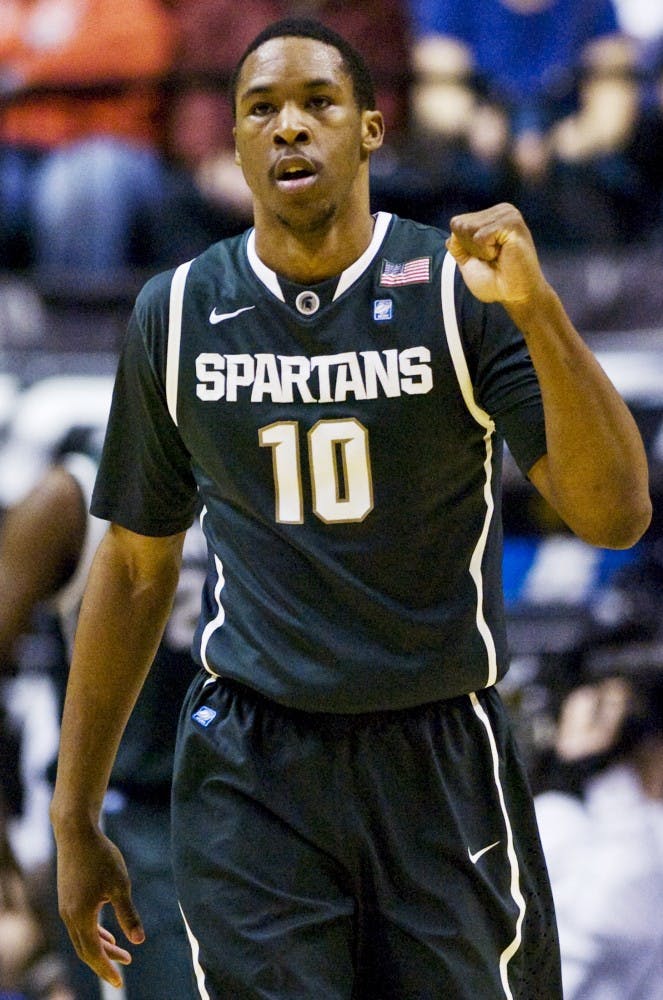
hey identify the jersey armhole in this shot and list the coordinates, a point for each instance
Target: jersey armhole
(175, 308)
(455, 343)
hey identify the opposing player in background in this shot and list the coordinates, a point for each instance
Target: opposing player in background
(47, 541)
(350, 815)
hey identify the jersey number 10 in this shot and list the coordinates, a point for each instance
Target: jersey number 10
(340, 468)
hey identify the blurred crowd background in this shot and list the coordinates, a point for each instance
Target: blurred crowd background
(116, 160)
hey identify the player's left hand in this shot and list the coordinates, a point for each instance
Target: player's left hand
(496, 255)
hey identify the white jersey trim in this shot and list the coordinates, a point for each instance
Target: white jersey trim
(355, 271)
(456, 344)
(266, 275)
(220, 616)
(174, 336)
(459, 360)
(516, 891)
(347, 278)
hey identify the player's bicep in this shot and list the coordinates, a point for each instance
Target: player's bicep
(540, 478)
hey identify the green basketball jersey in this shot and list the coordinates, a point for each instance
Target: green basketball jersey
(345, 440)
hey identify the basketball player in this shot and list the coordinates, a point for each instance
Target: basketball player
(350, 816)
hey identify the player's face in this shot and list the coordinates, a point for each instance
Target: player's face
(301, 139)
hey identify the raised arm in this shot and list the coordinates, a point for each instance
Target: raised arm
(126, 604)
(595, 471)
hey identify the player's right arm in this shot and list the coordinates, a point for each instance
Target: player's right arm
(126, 604)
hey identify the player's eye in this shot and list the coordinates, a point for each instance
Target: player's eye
(261, 108)
(319, 103)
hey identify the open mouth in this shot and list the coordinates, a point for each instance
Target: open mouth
(295, 173)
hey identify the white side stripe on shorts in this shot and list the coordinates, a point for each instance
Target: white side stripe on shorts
(195, 952)
(516, 892)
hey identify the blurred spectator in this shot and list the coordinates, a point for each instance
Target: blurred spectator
(536, 98)
(29, 970)
(81, 133)
(50, 517)
(601, 823)
(641, 19)
(644, 149)
(214, 34)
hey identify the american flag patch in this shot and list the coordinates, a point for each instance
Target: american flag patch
(412, 272)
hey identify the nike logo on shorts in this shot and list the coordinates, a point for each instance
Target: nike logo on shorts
(215, 317)
(484, 850)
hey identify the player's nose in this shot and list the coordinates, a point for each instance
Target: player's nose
(289, 128)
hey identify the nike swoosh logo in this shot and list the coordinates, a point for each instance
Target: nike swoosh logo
(215, 317)
(475, 857)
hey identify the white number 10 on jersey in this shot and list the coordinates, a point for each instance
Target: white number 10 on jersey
(339, 462)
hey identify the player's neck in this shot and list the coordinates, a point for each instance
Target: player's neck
(308, 255)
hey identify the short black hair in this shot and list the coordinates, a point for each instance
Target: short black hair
(353, 62)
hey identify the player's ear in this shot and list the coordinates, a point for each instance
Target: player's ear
(372, 130)
(238, 159)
